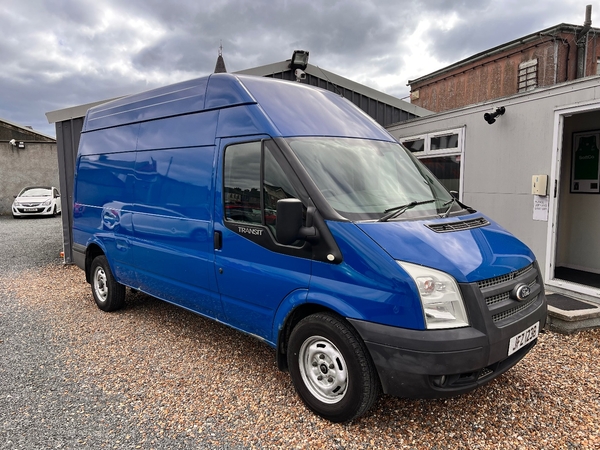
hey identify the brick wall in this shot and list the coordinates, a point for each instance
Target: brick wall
(497, 75)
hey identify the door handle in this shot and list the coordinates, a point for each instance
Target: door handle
(218, 240)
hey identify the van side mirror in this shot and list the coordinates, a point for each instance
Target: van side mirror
(454, 194)
(289, 222)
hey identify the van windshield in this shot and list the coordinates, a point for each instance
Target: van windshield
(368, 180)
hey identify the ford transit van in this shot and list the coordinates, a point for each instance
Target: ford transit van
(285, 212)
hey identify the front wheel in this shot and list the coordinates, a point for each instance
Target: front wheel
(108, 293)
(331, 368)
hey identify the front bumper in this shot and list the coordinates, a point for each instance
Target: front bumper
(35, 211)
(443, 363)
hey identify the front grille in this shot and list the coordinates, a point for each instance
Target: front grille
(507, 314)
(504, 295)
(459, 225)
(497, 294)
(497, 298)
(503, 278)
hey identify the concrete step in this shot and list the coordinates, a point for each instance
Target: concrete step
(567, 314)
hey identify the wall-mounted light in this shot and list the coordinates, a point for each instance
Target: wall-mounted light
(298, 64)
(299, 60)
(491, 118)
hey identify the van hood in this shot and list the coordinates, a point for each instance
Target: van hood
(468, 255)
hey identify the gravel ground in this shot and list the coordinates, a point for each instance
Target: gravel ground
(156, 376)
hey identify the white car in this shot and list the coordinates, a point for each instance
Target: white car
(37, 201)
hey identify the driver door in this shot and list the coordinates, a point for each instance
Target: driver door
(255, 273)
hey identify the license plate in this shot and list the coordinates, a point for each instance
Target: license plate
(31, 209)
(523, 338)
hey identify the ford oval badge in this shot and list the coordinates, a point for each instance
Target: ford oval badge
(521, 292)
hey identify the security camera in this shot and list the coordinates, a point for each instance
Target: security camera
(300, 74)
(491, 118)
(13, 142)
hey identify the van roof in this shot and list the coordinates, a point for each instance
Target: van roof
(292, 109)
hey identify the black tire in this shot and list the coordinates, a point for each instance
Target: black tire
(108, 293)
(331, 368)
(54, 212)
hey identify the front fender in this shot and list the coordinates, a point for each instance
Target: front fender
(286, 307)
(334, 304)
(319, 299)
(306, 303)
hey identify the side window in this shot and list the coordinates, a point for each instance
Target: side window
(253, 184)
(527, 75)
(442, 153)
(241, 188)
(415, 145)
(276, 186)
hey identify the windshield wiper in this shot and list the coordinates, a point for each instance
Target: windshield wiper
(397, 210)
(449, 202)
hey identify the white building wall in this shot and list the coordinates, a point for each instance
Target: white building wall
(500, 159)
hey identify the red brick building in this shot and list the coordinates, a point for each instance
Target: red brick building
(554, 55)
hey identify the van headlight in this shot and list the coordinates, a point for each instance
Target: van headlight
(442, 302)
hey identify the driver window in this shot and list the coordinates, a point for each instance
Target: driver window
(243, 189)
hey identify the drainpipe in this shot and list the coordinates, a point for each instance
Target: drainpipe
(581, 40)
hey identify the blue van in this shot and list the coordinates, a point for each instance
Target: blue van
(285, 212)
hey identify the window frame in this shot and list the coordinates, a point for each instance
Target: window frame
(428, 153)
(225, 177)
(267, 238)
(527, 75)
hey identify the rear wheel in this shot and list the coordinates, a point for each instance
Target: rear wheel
(108, 293)
(331, 368)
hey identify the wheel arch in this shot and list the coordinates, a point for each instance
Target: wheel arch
(91, 252)
(294, 316)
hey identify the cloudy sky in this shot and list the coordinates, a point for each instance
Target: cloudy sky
(61, 53)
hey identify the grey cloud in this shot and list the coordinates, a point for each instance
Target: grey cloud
(70, 12)
(493, 24)
(357, 39)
